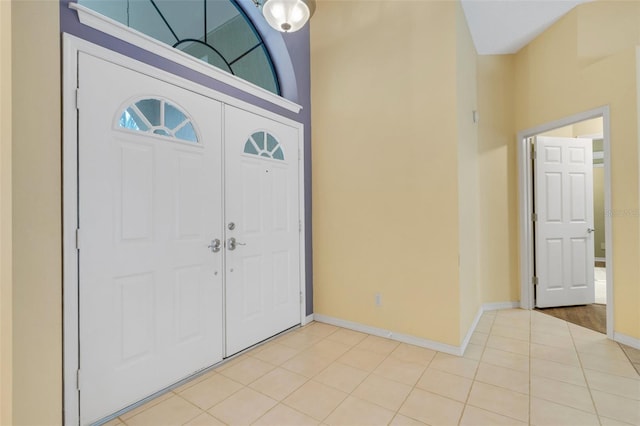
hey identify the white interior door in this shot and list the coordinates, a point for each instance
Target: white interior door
(150, 200)
(564, 226)
(262, 289)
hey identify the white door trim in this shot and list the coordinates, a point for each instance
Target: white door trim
(71, 46)
(525, 201)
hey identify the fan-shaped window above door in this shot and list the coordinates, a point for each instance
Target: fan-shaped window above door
(215, 31)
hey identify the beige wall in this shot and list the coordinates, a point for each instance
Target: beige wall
(588, 128)
(6, 334)
(468, 220)
(586, 60)
(592, 127)
(565, 71)
(36, 186)
(497, 180)
(385, 174)
(561, 132)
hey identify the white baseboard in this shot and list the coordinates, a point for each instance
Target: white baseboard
(496, 306)
(600, 259)
(375, 331)
(627, 340)
(413, 340)
(308, 319)
(474, 324)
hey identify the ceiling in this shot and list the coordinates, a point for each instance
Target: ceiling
(506, 26)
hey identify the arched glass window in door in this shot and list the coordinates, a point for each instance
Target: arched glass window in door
(215, 31)
(264, 144)
(158, 117)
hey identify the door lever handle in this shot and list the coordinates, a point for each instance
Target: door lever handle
(590, 230)
(214, 246)
(232, 243)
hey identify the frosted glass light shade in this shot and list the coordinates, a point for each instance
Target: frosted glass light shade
(288, 15)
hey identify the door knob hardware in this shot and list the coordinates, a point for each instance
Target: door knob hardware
(215, 245)
(232, 243)
(590, 230)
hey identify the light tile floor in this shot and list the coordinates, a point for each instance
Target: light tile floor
(521, 367)
(633, 354)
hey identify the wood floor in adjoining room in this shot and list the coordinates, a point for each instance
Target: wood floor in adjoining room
(593, 317)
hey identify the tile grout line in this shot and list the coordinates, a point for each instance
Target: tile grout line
(574, 341)
(624, 351)
(366, 377)
(308, 379)
(372, 373)
(507, 368)
(413, 388)
(201, 410)
(595, 407)
(389, 355)
(484, 347)
(324, 369)
(247, 386)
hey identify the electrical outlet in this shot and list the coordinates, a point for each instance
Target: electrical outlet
(378, 299)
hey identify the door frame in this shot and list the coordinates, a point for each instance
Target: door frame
(525, 207)
(72, 45)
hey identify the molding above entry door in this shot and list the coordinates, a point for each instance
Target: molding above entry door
(109, 26)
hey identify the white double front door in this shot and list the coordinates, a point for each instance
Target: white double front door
(165, 185)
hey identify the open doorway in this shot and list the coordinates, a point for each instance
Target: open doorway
(574, 283)
(590, 310)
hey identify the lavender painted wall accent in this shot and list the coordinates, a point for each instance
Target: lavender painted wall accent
(295, 87)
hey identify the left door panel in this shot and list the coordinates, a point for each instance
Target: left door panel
(150, 201)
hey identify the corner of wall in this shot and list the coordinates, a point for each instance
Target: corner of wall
(497, 180)
(467, 170)
(366, 132)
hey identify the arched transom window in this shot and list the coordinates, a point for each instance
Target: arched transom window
(158, 117)
(215, 31)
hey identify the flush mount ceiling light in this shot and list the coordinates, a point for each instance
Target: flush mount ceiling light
(287, 16)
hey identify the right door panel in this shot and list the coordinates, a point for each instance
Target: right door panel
(262, 290)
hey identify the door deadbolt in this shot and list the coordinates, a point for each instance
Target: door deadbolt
(231, 226)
